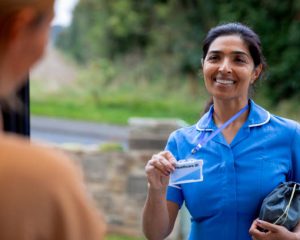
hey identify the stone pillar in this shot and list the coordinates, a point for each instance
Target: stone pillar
(151, 133)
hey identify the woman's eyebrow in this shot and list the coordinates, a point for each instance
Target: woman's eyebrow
(233, 52)
(214, 52)
(240, 53)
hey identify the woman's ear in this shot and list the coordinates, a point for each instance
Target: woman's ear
(202, 62)
(256, 73)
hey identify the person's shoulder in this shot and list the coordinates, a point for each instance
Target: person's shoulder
(284, 122)
(184, 131)
(21, 153)
(284, 126)
(12, 144)
(273, 119)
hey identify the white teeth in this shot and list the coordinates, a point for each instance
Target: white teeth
(224, 81)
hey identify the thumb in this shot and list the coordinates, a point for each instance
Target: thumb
(268, 226)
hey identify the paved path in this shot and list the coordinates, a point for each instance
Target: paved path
(54, 130)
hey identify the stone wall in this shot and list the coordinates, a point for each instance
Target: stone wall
(117, 180)
(118, 185)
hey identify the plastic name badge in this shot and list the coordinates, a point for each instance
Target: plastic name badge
(187, 171)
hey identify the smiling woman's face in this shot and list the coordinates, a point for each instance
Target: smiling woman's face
(228, 69)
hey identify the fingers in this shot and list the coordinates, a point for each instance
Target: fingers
(169, 156)
(164, 162)
(257, 235)
(268, 226)
(255, 232)
(253, 229)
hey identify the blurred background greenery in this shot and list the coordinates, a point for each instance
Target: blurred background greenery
(142, 58)
(119, 237)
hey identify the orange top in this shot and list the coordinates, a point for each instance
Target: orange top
(43, 196)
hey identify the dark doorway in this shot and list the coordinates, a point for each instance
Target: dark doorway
(19, 121)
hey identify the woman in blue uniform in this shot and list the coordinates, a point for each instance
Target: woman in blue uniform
(252, 151)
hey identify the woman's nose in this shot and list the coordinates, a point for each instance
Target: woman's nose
(225, 66)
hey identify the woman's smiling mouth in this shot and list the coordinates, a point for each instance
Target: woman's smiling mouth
(225, 81)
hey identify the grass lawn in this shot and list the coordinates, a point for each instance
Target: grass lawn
(118, 111)
(119, 104)
(118, 237)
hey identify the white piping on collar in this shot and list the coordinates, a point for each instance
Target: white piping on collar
(174, 186)
(202, 129)
(260, 124)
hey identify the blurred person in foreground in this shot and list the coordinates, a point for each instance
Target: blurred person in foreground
(42, 192)
(251, 153)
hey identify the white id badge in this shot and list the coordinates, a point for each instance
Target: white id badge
(187, 171)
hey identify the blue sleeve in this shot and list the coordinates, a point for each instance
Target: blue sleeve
(174, 192)
(296, 155)
(172, 145)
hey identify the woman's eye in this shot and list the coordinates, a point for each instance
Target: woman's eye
(213, 58)
(240, 60)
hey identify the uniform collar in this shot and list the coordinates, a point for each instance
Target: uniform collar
(257, 117)
(204, 124)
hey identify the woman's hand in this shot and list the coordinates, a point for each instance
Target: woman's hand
(274, 232)
(158, 170)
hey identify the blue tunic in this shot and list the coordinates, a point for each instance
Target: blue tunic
(236, 176)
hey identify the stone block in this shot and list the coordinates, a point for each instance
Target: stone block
(95, 167)
(136, 185)
(151, 133)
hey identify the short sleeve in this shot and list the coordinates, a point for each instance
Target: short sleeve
(296, 155)
(172, 145)
(174, 192)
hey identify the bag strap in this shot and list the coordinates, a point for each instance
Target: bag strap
(286, 211)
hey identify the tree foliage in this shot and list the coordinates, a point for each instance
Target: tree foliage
(169, 33)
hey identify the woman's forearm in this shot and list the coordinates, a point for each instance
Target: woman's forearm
(156, 222)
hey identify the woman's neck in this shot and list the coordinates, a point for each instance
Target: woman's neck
(224, 110)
